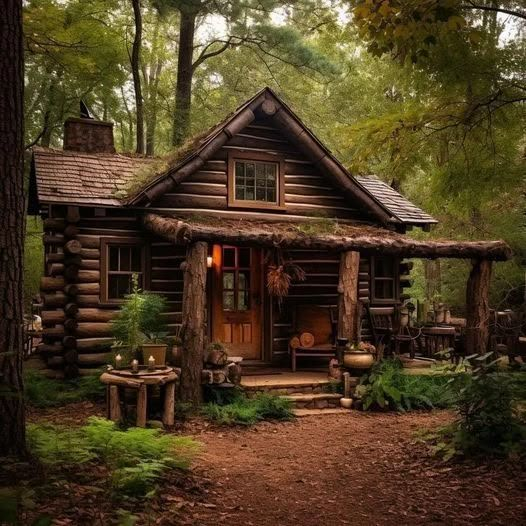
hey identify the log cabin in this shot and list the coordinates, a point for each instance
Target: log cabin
(203, 226)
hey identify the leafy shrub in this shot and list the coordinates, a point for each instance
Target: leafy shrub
(387, 387)
(489, 420)
(136, 458)
(41, 391)
(248, 411)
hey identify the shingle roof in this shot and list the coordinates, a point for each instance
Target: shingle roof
(83, 178)
(396, 203)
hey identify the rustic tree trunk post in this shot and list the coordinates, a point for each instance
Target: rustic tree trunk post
(12, 225)
(169, 405)
(142, 405)
(477, 307)
(193, 325)
(348, 296)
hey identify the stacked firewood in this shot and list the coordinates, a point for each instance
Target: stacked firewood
(221, 369)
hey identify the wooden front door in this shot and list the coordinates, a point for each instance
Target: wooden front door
(236, 300)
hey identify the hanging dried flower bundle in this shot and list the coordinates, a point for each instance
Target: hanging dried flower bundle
(281, 274)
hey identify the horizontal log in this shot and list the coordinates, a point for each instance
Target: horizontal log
(107, 378)
(93, 329)
(88, 288)
(53, 239)
(52, 223)
(88, 276)
(208, 188)
(87, 300)
(55, 361)
(52, 317)
(90, 253)
(56, 269)
(95, 359)
(54, 257)
(55, 332)
(89, 241)
(73, 246)
(96, 315)
(192, 201)
(90, 264)
(92, 344)
(45, 348)
(51, 284)
(367, 239)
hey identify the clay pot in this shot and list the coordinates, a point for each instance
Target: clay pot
(346, 403)
(157, 350)
(358, 359)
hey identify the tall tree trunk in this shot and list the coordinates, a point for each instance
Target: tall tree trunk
(12, 223)
(183, 93)
(433, 279)
(135, 64)
(152, 108)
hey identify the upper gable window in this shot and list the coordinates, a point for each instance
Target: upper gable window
(255, 181)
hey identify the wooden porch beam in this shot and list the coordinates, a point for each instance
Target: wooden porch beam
(348, 311)
(368, 240)
(193, 325)
(477, 307)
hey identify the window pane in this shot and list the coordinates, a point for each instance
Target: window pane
(114, 258)
(228, 280)
(229, 257)
(383, 268)
(124, 263)
(242, 300)
(118, 285)
(244, 280)
(136, 259)
(271, 195)
(384, 289)
(240, 193)
(244, 257)
(228, 300)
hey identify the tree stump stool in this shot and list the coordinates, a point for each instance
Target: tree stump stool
(118, 380)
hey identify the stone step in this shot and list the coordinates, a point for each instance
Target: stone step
(314, 400)
(321, 412)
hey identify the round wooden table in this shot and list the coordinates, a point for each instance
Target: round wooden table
(118, 380)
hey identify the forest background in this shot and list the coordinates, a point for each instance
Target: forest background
(429, 95)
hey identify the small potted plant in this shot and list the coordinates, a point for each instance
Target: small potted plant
(359, 356)
(140, 325)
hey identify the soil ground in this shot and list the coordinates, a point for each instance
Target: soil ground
(357, 469)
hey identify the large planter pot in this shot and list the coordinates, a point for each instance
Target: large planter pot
(358, 359)
(157, 350)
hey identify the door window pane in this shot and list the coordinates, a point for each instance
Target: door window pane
(228, 300)
(229, 257)
(236, 278)
(244, 258)
(228, 280)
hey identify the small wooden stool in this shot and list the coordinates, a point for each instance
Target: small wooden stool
(118, 379)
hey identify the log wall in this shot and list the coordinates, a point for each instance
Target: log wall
(76, 324)
(307, 191)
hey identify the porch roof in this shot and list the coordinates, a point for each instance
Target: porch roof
(319, 235)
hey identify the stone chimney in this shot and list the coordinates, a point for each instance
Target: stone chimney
(88, 135)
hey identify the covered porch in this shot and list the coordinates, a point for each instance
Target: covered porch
(348, 242)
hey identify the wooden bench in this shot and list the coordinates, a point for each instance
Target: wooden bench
(317, 351)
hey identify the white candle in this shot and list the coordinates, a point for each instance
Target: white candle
(135, 366)
(118, 361)
(151, 362)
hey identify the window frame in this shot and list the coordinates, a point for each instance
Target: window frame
(395, 279)
(105, 243)
(247, 156)
(236, 269)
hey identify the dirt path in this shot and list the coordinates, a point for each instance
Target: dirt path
(359, 469)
